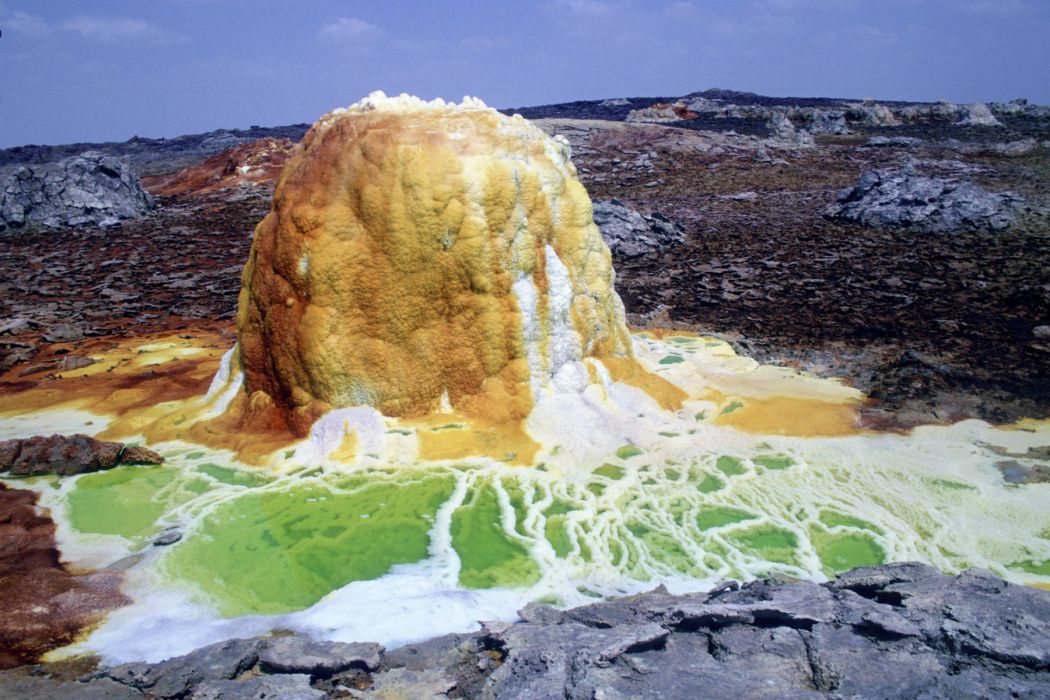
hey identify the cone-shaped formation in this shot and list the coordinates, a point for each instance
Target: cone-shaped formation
(419, 252)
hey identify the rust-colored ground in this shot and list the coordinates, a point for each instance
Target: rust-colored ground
(45, 606)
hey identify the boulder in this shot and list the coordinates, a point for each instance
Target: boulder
(630, 234)
(978, 114)
(827, 121)
(871, 113)
(89, 189)
(902, 199)
(782, 129)
(179, 676)
(66, 455)
(291, 687)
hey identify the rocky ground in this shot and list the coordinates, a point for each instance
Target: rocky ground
(895, 631)
(933, 326)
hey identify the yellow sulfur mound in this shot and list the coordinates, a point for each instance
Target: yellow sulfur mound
(420, 255)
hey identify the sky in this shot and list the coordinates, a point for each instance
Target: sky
(99, 70)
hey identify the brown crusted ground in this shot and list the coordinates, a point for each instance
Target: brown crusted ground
(255, 162)
(933, 327)
(44, 605)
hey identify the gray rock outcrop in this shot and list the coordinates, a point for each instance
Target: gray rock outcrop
(902, 199)
(939, 111)
(782, 129)
(630, 234)
(871, 113)
(978, 114)
(827, 121)
(89, 189)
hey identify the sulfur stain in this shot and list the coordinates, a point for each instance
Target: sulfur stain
(784, 415)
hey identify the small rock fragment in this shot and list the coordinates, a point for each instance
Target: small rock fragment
(298, 654)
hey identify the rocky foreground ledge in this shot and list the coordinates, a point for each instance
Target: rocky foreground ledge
(895, 631)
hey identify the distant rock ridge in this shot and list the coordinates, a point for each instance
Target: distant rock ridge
(89, 189)
(152, 156)
(253, 163)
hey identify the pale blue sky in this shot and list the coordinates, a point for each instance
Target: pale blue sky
(111, 69)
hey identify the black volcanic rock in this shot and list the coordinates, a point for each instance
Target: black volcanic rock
(893, 631)
(91, 188)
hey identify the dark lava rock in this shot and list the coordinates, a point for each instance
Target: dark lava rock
(895, 631)
(21, 687)
(66, 455)
(91, 188)
(178, 677)
(902, 199)
(900, 630)
(630, 234)
(168, 537)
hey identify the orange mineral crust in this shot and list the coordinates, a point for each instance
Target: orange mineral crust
(120, 377)
(420, 254)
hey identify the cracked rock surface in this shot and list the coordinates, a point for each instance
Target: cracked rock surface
(893, 631)
(630, 234)
(89, 189)
(902, 198)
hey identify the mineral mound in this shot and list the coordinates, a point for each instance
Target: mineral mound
(423, 254)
